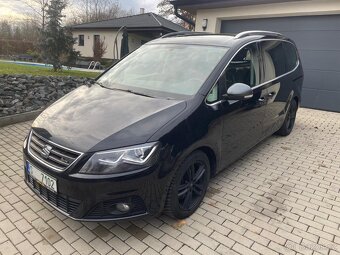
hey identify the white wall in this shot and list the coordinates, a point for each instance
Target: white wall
(105, 35)
(108, 37)
(300, 8)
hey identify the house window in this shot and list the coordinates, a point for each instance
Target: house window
(81, 40)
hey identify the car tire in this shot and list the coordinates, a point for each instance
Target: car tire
(289, 122)
(188, 186)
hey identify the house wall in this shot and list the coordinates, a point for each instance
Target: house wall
(300, 8)
(108, 36)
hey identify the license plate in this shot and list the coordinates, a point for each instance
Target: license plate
(42, 178)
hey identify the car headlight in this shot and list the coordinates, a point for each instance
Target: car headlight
(121, 160)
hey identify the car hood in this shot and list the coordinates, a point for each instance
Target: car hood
(95, 118)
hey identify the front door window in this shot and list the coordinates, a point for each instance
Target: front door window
(243, 68)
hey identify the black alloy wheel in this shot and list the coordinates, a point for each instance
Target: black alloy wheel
(289, 122)
(188, 186)
(192, 185)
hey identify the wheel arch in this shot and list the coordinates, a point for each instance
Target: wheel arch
(211, 156)
(297, 99)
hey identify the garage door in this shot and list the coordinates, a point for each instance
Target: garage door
(318, 41)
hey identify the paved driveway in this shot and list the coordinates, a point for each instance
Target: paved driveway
(282, 198)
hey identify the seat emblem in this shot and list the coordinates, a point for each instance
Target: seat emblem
(46, 150)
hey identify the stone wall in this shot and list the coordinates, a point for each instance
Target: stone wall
(25, 93)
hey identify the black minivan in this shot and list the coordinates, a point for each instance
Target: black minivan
(155, 127)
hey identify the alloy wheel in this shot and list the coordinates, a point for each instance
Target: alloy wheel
(192, 185)
(291, 115)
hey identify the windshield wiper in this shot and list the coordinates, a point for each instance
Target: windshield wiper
(125, 90)
(132, 92)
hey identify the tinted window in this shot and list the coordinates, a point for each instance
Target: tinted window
(291, 56)
(278, 58)
(81, 40)
(273, 55)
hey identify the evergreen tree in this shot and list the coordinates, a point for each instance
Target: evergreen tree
(56, 40)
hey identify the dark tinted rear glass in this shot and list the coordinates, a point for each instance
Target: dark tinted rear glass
(279, 57)
(291, 56)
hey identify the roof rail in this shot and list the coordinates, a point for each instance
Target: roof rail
(185, 33)
(257, 32)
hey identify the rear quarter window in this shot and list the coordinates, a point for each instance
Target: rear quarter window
(279, 58)
(291, 56)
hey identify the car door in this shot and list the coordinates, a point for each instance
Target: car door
(242, 121)
(279, 59)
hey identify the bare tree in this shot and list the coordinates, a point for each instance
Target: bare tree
(29, 31)
(38, 10)
(5, 29)
(18, 37)
(166, 9)
(96, 10)
(23, 30)
(99, 49)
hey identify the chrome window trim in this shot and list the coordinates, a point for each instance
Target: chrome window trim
(262, 84)
(216, 103)
(56, 145)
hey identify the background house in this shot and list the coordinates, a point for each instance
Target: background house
(313, 24)
(140, 28)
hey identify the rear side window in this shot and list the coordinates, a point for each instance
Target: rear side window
(291, 56)
(279, 58)
(273, 56)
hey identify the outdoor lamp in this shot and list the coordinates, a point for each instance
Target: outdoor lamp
(205, 24)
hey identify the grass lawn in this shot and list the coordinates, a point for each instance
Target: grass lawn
(11, 68)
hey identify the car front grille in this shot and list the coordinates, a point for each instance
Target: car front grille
(63, 203)
(51, 154)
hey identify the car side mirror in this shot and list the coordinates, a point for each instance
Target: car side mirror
(239, 91)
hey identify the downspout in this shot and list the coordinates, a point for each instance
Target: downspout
(187, 20)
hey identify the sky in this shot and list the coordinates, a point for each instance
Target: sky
(149, 5)
(16, 9)
(11, 9)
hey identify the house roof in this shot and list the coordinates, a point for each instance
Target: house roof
(209, 4)
(150, 21)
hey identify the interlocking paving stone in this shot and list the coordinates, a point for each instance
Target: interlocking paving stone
(280, 198)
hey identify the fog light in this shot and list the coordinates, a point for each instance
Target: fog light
(122, 207)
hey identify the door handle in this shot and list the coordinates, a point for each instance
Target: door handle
(262, 99)
(271, 94)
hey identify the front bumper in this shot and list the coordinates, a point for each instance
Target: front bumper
(91, 198)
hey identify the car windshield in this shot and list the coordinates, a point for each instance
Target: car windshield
(170, 70)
